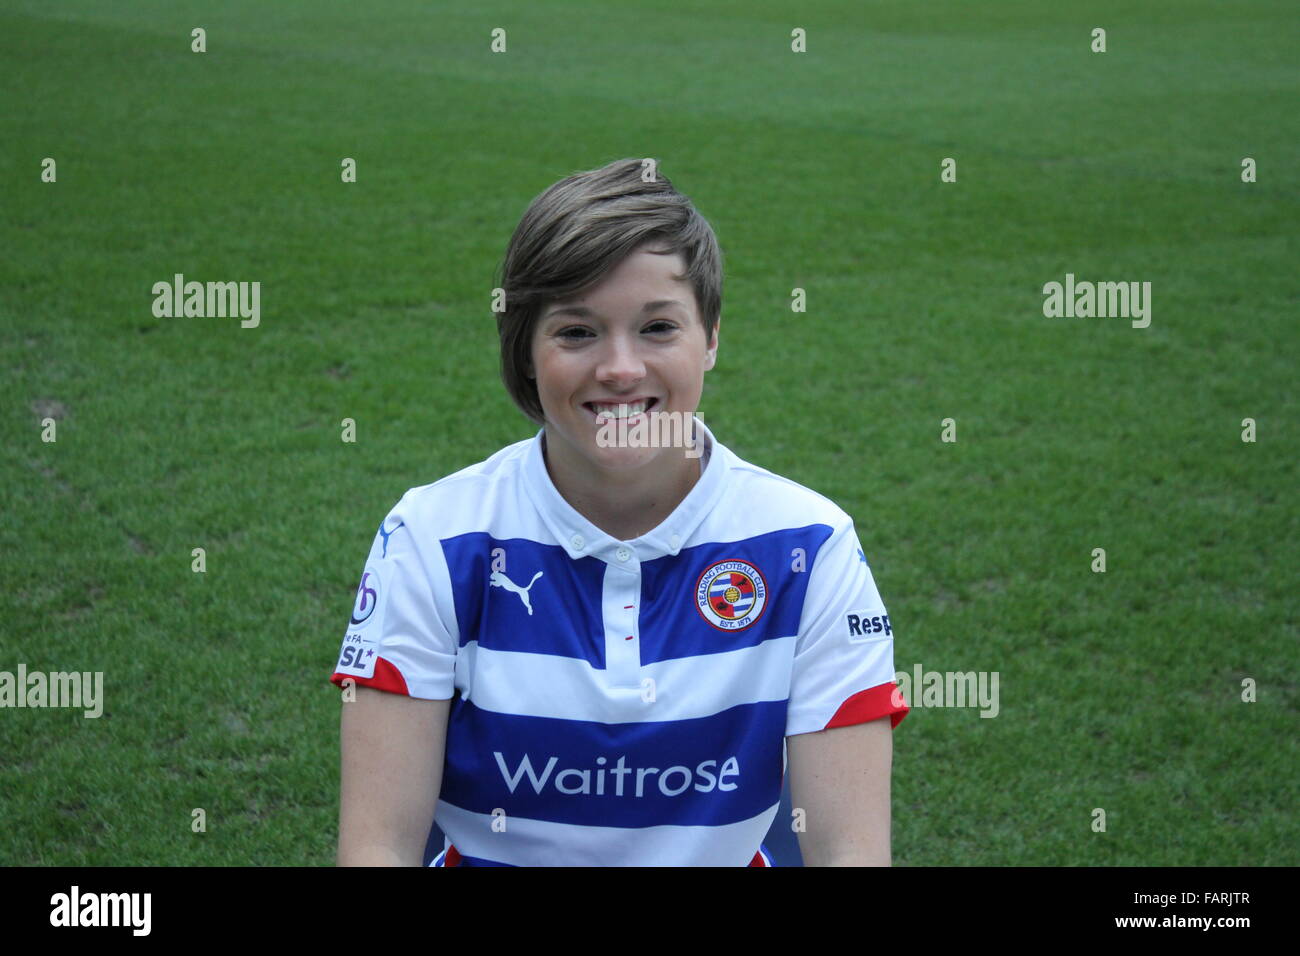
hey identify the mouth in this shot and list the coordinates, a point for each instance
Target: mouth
(630, 412)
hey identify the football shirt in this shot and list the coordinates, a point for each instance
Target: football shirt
(619, 702)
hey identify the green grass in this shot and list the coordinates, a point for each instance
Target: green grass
(1118, 690)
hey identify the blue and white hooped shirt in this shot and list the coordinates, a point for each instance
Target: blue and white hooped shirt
(619, 702)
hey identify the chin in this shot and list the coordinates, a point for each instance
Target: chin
(624, 459)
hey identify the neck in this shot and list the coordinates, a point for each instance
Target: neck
(624, 506)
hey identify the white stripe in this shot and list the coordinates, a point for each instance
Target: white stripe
(528, 842)
(545, 685)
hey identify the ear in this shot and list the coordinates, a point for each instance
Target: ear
(711, 354)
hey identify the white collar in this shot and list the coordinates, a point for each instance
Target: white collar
(580, 538)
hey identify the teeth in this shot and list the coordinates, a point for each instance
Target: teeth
(622, 410)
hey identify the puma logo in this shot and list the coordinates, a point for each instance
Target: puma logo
(499, 580)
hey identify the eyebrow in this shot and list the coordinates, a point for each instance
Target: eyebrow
(582, 312)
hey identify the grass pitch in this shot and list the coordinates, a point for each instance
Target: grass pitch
(1118, 690)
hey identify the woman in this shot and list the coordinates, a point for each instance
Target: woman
(592, 648)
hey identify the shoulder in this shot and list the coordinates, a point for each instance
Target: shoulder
(771, 500)
(461, 502)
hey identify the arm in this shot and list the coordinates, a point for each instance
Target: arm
(391, 750)
(840, 779)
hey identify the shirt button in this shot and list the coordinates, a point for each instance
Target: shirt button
(578, 542)
(624, 554)
(675, 542)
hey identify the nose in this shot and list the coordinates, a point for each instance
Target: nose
(620, 364)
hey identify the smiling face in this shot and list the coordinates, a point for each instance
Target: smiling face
(634, 338)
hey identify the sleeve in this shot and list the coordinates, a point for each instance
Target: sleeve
(397, 639)
(844, 655)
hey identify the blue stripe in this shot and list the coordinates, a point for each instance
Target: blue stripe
(479, 861)
(566, 619)
(686, 764)
(672, 625)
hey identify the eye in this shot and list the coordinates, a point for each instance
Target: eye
(660, 326)
(573, 333)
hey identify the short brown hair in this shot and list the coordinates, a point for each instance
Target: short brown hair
(577, 231)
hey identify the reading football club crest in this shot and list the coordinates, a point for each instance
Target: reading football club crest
(731, 595)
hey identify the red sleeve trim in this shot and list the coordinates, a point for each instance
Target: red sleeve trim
(871, 704)
(387, 677)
